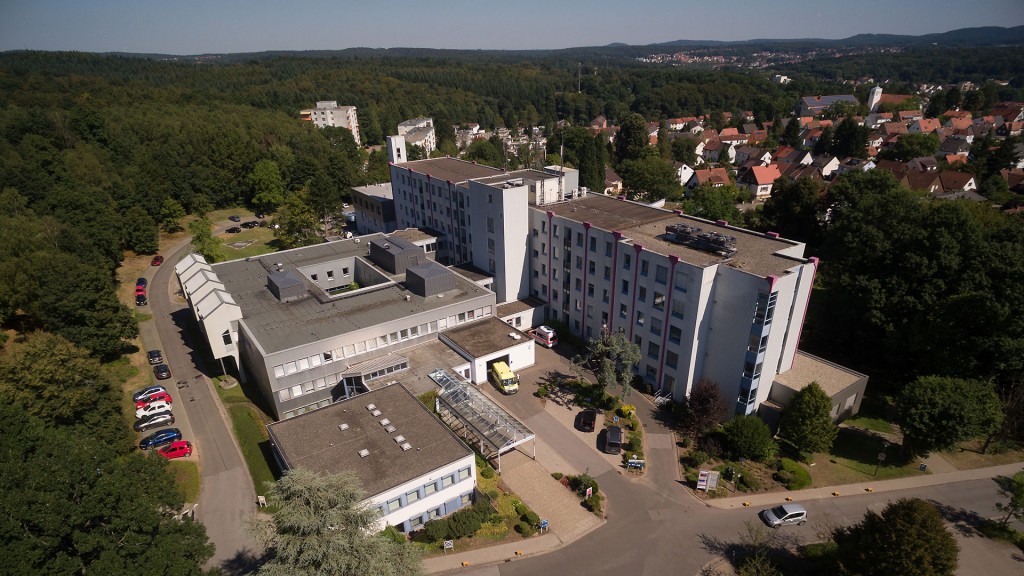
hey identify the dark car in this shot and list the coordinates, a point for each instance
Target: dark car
(147, 393)
(141, 282)
(140, 300)
(162, 371)
(233, 230)
(588, 419)
(251, 224)
(235, 218)
(157, 420)
(160, 438)
(155, 357)
(613, 440)
(156, 261)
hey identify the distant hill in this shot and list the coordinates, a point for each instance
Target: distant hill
(983, 36)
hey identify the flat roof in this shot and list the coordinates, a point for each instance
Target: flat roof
(470, 271)
(517, 306)
(280, 326)
(645, 225)
(424, 359)
(413, 235)
(485, 337)
(808, 368)
(450, 169)
(376, 190)
(314, 441)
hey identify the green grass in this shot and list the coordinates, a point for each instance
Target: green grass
(251, 432)
(140, 317)
(870, 423)
(121, 369)
(428, 399)
(853, 459)
(263, 242)
(186, 478)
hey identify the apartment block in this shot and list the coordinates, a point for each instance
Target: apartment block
(328, 113)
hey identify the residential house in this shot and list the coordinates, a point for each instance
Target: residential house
(924, 164)
(827, 164)
(926, 181)
(762, 155)
(598, 124)
(815, 105)
(760, 179)
(907, 116)
(714, 176)
(925, 126)
(684, 172)
(419, 132)
(798, 171)
(1010, 111)
(955, 146)
(876, 119)
(953, 181)
(854, 165)
(612, 182)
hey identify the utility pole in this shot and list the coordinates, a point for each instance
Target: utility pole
(579, 77)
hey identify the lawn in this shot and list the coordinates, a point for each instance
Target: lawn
(263, 242)
(854, 458)
(186, 477)
(875, 414)
(969, 455)
(250, 429)
(870, 423)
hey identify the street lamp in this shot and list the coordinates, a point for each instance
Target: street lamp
(881, 456)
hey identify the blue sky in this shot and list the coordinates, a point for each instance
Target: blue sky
(197, 26)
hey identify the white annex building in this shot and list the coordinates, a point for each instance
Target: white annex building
(328, 113)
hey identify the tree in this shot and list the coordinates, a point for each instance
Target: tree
(649, 178)
(73, 505)
(322, 527)
(911, 146)
(60, 384)
(297, 221)
(615, 357)
(685, 150)
(807, 421)
(749, 437)
(713, 202)
(267, 186)
(823, 145)
(936, 412)
(1011, 487)
(851, 139)
(794, 210)
(171, 214)
(631, 139)
(416, 152)
(791, 134)
(203, 241)
(908, 538)
(704, 408)
(140, 232)
(591, 165)
(484, 152)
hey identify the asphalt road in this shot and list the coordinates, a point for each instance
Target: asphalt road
(655, 527)
(227, 499)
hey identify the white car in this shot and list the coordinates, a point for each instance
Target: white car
(153, 408)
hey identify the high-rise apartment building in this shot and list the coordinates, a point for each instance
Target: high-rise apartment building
(328, 113)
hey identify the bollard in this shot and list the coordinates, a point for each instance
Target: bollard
(746, 504)
(869, 489)
(464, 563)
(789, 499)
(835, 493)
(519, 552)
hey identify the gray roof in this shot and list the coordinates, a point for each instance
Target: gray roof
(450, 169)
(314, 440)
(280, 326)
(756, 253)
(376, 190)
(807, 368)
(485, 337)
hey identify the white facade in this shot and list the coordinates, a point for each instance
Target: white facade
(412, 504)
(328, 113)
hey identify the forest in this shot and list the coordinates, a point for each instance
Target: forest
(99, 153)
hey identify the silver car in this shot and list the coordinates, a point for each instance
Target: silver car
(784, 514)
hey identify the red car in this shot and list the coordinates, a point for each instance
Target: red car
(158, 397)
(157, 260)
(179, 449)
(140, 290)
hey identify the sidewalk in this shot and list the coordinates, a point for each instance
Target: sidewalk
(768, 498)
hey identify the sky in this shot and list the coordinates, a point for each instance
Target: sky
(224, 26)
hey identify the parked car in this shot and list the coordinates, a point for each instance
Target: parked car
(259, 215)
(140, 300)
(162, 371)
(157, 420)
(157, 260)
(179, 449)
(784, 514)
(251, 224)
(140, 290)
(588, 419)
(155, 357)
(613, 440)
(141, 282)
(160, 438)
(153, 407)
(235, 218)
(233, 230)
(146, 392)
(545, 336)
(158, 397)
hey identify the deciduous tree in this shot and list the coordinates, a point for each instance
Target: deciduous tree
(807, 421)
(704, 408)
(631, 139)
(1012, 488)
(615, 357)
(267, 186)
(321, 528)
(749, 437)
(935, 413)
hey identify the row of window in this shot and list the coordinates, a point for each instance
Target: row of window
(361, 347)
(427, 489)
(308, 408)
(417, 522)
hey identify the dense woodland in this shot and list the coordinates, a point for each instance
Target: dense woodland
(98, 153)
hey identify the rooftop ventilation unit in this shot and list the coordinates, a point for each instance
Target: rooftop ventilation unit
(385, 422)
(376, 413)
(342, 426)
(399, 439)
(371, 407)
(406, 447)
(364, 453)
(694, 237)
(390, 429)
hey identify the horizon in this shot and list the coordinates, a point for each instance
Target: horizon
(191, 28)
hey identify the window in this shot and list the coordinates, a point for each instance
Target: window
(579, 284)
(604, 296)
(464, 499)
(290, 368)
(660, 274)
(284, 395)
(677, 308)
(463, 474)
(579, 262)
(593, 244)
(642, 294)
(447, 481)
(415, 522)
(429, 489)
(490, 225)
(330, 274)
(659, 301)
(625, 286)
(279, 371)
(226, 338)
(639, 318)
(590, 289)
(590, 311)
(315, 360)
(296, 391)
(627, 261)
(579, 239)
(604, 318)
(655, 326)
(623, 311)
(303, 363)
(591, 267)
(680, 282)
(653, 350)
(344, 271)
(671, 359)
(313, 277)
(674, 334)
(607, 248)
(607, 273)
(413, 496)
(394, 505)
(644, 267)
(765, 309)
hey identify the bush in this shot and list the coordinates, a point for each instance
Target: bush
(711, 446)
(699, 458)
(686, 442)
(493, 494)
(521, 509)
(626, 410)
(525, 529)
(531, 517)
(635, 444)
(579, 484)
(435, 530)
(542, 392)
(463, 523)
(748, 483)
(557, 475)
(487, 472)
(496, 519)
(392, 533)
(749, 437)
(793, 475)
(593, 503)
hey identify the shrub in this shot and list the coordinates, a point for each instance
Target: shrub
(579, 484)
(636, 443)
(793, 475)
(626, 410)
(748, 483)
(557, 475)
(749, 437)
(435, 530)
(392, 533)
(521, 509)
(493, 494)
(593, 503)
(525, 529)
(699, 457)
(487, 472)
(496, 519)
(531, 517)
(710, 445)
(483, 508)
(463, 523)
(542, 392)
(686, 442)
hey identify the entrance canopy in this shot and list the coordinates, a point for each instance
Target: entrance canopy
(479, 419)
